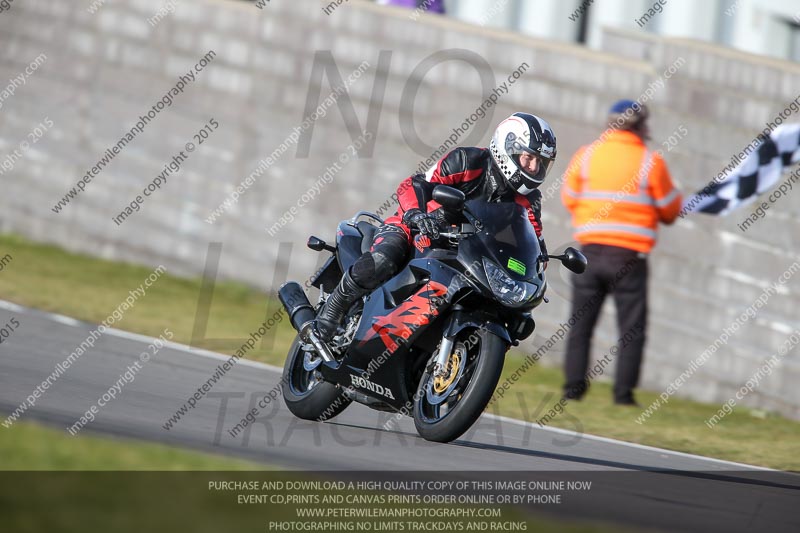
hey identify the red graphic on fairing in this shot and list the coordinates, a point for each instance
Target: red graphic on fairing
(422, 242)
(415, 312)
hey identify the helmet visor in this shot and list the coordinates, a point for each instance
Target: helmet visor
(531, 169)
(531, 165)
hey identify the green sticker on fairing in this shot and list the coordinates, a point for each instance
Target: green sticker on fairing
(516, 266)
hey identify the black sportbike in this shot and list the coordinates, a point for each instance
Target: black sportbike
(432, 340)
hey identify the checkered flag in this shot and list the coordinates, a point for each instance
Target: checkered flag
(754, 174)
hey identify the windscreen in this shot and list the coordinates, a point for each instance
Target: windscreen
(507, 238)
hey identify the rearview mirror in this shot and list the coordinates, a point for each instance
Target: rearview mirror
(574, 260)
(449, 197)
(317, 244)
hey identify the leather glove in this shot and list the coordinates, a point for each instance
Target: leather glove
(426, 223)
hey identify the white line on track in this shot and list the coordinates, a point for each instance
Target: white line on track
(272, 368)
(114, 332)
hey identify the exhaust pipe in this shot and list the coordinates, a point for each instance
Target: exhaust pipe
(301, 315)
(296, 303)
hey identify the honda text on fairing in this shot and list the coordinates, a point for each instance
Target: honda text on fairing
(432, 340)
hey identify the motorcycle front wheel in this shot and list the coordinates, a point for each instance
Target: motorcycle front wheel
(447, 406)
(306, 396)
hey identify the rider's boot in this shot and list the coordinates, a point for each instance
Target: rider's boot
(336, 306)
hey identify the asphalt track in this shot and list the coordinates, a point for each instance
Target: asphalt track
(638, 486)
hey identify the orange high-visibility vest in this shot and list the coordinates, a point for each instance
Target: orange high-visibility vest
(618, 191)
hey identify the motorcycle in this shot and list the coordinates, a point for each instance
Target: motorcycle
(431, 341)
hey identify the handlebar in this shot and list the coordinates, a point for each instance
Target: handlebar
(450, 234)
(452, 238)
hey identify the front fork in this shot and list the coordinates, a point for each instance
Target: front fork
(458, 320)
(440, 362)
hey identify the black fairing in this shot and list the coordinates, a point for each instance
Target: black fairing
(440, 291)
(391, 327)
(349, 241)
(328, 276)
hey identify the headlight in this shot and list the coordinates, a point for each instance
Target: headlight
(508, 291)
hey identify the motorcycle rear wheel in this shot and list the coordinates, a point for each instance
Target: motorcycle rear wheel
(443, 416)
(304, 395)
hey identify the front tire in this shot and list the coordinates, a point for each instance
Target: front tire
(444, 415)
(304, 395)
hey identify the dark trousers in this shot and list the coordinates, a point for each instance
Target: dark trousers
(623, 273)
(389, 250)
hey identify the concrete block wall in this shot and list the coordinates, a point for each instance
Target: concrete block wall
(104, 70)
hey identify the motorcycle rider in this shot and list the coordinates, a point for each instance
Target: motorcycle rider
(519, 157)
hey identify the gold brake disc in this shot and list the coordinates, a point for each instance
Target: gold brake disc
(441, 383)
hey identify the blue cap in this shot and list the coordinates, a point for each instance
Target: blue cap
(622, 106)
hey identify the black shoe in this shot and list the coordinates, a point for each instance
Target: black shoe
(574, 391)
(629, 402)
(336, 306)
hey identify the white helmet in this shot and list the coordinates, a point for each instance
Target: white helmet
(523, 132)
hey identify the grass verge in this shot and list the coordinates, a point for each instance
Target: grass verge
(89, 289)
(30, 446)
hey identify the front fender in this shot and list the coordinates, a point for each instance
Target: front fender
(462, 319)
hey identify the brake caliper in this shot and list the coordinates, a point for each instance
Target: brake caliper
(442, 382)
